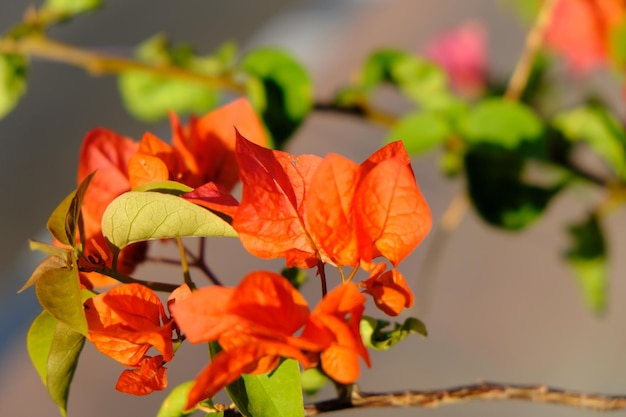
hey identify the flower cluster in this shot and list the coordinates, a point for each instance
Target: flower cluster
(201, 152)
(310, 210)
(255, 325)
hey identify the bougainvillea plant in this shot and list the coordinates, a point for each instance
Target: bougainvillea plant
(319, 213)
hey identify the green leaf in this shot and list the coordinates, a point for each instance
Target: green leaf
(376, 337)
(72, 7)
(54, 350)
(379, 67)
(65, 350)
(136, 216)
(418, 79)
(296, 276)
(56, 221)
(313, 380)
(39, 340)
(175, 402)
(275, 394)
(151, 97)
(50, 263)
(617, 44)
(280, 89)
(506, 124)
(58, 291)
(13, 69)
(420, 131)
(595, 127)
(422, 81)
(587, 256)
(167, 187)
(497, 191)
(65, 218)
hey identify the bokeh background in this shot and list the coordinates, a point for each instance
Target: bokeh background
(499, 307)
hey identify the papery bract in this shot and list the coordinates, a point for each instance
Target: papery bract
(125, 322)
(389, 290)
(206, 145)
(581, 30)
(335, 324)
(270, 219)
(107, 153)
(391, 215)
(149, 376)
(244, 320)
(311, 210)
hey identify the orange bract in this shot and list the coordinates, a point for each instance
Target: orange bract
(125, 322)
(309, 209)
(244, 320)
(581, 30)
(206, 146)
(389, 290)
(149, 377)
(270, 219)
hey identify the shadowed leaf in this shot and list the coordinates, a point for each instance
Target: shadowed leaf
(587, 257)
(281, 91)
(13, 70)
(376, 335)
(497, 191)
(65, 349)
(58, 291)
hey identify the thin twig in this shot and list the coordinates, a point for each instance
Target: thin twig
(183, 263)
(156, 286)
(532, 46)
(102, 64)
(482, 391)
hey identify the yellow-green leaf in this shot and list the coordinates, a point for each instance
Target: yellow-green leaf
(58, 291)
(13, 70)
(54, 350)
(65, 350)
(137, 216)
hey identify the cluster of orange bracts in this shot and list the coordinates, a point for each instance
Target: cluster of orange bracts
(310, 210)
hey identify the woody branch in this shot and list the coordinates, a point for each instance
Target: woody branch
(480, 391)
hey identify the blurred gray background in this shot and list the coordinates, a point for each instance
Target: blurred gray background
(499, 307)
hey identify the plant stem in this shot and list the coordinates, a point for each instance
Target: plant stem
(183, 263)
(481, 391)
(102, 64)
(322, 274)
(534, 41)
(156, 286)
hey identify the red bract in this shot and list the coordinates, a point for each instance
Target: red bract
(389, 290)
(124, 323)
(108, 154)
(201, 152)
(581, 30)
(309, 209)
(149, 377)
(255, 325)
(207, 144)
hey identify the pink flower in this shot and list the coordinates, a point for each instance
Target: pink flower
(461, 53)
